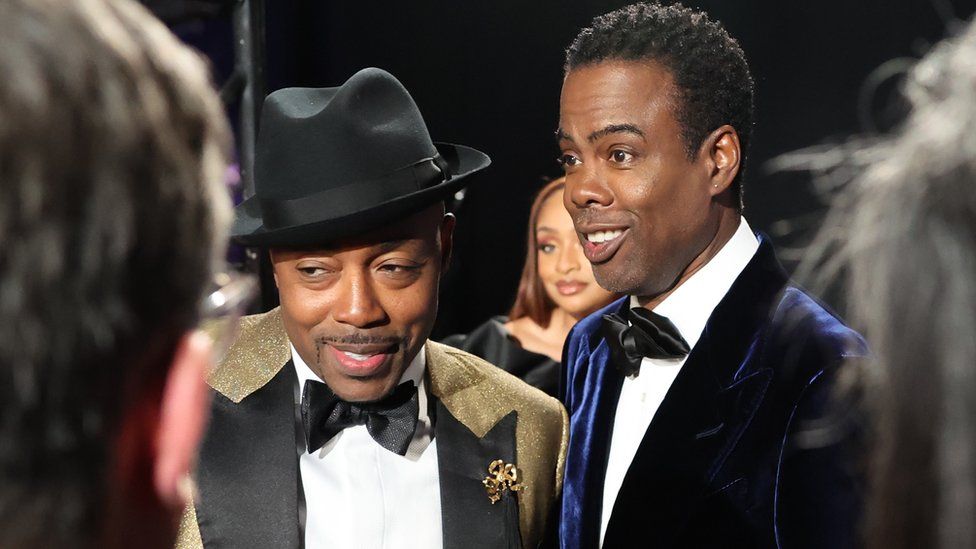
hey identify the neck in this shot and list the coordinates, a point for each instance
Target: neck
(727, 226)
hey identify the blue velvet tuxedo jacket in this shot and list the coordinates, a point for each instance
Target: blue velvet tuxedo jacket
(738, 454)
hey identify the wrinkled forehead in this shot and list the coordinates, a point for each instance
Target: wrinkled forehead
(613, 93)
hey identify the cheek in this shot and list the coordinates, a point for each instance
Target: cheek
(413, 308)
(545, 265)
(306, 308)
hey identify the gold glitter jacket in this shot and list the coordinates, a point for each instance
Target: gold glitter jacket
(483, 414)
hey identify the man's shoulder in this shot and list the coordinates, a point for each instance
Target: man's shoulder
(493, 383)
(588, 326)
(801, 318)
(258, 353)
(805, 338)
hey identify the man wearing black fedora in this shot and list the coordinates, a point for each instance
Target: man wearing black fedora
(336, 423)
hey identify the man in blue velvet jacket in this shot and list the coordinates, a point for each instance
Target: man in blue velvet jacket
(700, 403)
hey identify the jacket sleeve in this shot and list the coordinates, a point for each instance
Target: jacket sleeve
(819, 485)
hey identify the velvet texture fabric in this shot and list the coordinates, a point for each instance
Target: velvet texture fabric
(746, 449)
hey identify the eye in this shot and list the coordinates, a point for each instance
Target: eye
(399, 270)
(547, 248)
(312, 271)
(621, 156)
(568, 160)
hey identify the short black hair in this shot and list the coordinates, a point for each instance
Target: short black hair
(708, 66)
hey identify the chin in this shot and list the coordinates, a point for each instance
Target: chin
(614, 279)
(364, 390)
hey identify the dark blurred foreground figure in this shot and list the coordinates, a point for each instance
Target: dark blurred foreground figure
(903, 235)
(112, 217)
(695, 401)
(556, 290)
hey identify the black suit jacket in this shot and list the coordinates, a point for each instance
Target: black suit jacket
(248, 475)
(743, 451)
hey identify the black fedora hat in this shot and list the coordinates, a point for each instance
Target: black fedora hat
(331, 163)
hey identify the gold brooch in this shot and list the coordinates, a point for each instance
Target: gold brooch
(501, 476)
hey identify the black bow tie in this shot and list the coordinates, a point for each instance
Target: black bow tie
(647, 335)
(391, 421)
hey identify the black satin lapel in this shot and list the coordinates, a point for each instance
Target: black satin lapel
(248, 470)
(694, 430)
(469, 518)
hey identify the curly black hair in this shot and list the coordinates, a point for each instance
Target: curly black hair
(709, 67)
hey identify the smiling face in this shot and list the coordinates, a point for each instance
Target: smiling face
(565, 273)
(358, 313)
(645, 213)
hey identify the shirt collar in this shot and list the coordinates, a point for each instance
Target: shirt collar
(413, 373)
(691, 303)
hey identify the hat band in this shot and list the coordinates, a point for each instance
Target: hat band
(353, 197)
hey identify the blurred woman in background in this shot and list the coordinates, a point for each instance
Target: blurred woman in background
(556, 290)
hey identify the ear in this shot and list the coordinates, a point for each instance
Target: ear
(183, 415)
(722, 154)
(447, 240)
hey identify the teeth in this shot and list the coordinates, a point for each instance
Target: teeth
(356, 356)
(603, 236)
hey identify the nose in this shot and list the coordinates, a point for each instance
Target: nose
(358, 305)
(584, 189)
(569, 257)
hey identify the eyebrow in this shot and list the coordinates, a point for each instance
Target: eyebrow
(390, 245)
(546, 229)
(607, 130)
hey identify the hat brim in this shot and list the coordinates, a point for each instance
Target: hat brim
(249, 229)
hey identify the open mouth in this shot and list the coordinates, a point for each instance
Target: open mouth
(362, 360)
(600, 246)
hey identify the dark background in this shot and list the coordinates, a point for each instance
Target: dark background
(488, 74)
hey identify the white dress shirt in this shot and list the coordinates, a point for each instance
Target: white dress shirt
(688, 307)
(361, 495)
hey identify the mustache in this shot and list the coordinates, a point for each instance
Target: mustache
(587, 216)
(361, 339)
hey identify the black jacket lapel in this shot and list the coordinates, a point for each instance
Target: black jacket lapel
(469, 518)
(693, 431)
(248, 472)
(705, 412)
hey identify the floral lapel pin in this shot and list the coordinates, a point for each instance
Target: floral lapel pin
(501, 477)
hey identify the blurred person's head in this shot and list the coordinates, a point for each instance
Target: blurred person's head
(349, 200)
(901, 239)
(656, 114)
(555, 275)
(112, 150)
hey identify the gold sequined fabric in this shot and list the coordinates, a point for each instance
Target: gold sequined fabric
(477, 393)
(258, 354)
(189, 535)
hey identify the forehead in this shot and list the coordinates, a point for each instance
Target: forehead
(349, 251)
(553, 214)
(615, 92)
(416, 233)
